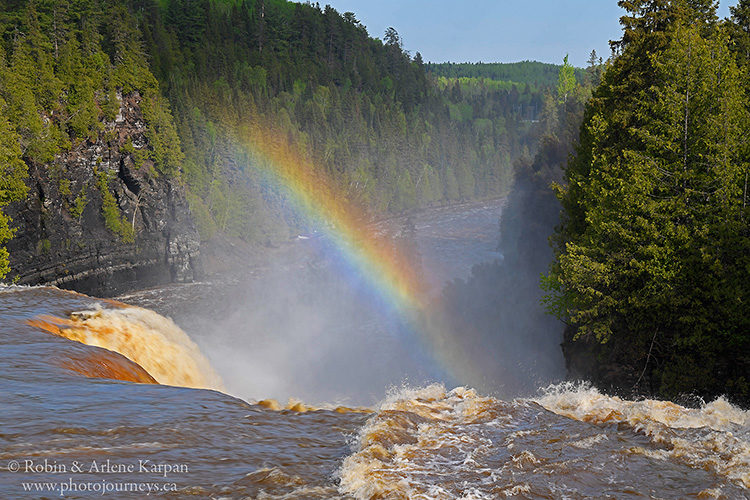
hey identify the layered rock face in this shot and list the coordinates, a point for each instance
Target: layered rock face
(99, 219)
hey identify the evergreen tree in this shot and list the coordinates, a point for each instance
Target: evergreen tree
(654, 215)
(739, 28)
(594, 69)
(12, 186)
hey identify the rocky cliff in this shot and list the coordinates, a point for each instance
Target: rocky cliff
(100, 219)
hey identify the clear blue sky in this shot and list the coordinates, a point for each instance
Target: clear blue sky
(496, 30)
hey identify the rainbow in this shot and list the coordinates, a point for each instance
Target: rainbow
(377, 261)
(346, 224)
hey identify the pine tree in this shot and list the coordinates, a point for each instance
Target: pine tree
(594, 70)
(653, 207)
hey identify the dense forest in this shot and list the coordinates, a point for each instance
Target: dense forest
(363, 111)
(219, 77)
(653, 253)
(529, 72)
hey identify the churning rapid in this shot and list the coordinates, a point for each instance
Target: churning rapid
(75, 425)
(571, 442)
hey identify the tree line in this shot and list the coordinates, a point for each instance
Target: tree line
(363, 110)
(392, 136)
(529, 72)
(652, 258)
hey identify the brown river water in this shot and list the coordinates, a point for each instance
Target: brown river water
(281, 383)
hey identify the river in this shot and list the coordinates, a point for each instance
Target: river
(284, 381)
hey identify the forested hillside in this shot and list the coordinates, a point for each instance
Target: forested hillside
(91, 158)
(529, 72)
(217, 80)
(364, 111)
(653, 255)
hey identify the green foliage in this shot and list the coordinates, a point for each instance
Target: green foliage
(361, 111)
(64, 187)
(12, 186)
(61, 68)
(162, 136)
(654, 242)
(43, 246)
(488, 302)
(128, 146)
(114, 220)
(110, 105)
(526, 72)
(79, 204)
(62, 75)
(204, 221)
(566, 81)
(81, 107)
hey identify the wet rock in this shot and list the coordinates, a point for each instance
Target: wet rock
(61, 240)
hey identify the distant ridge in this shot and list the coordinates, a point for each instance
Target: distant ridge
(530, 72)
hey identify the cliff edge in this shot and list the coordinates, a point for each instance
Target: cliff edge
(100, 219)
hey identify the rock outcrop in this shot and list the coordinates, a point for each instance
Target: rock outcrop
(67, 237)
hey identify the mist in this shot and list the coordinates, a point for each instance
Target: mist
(307, 327)
(495, 317)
